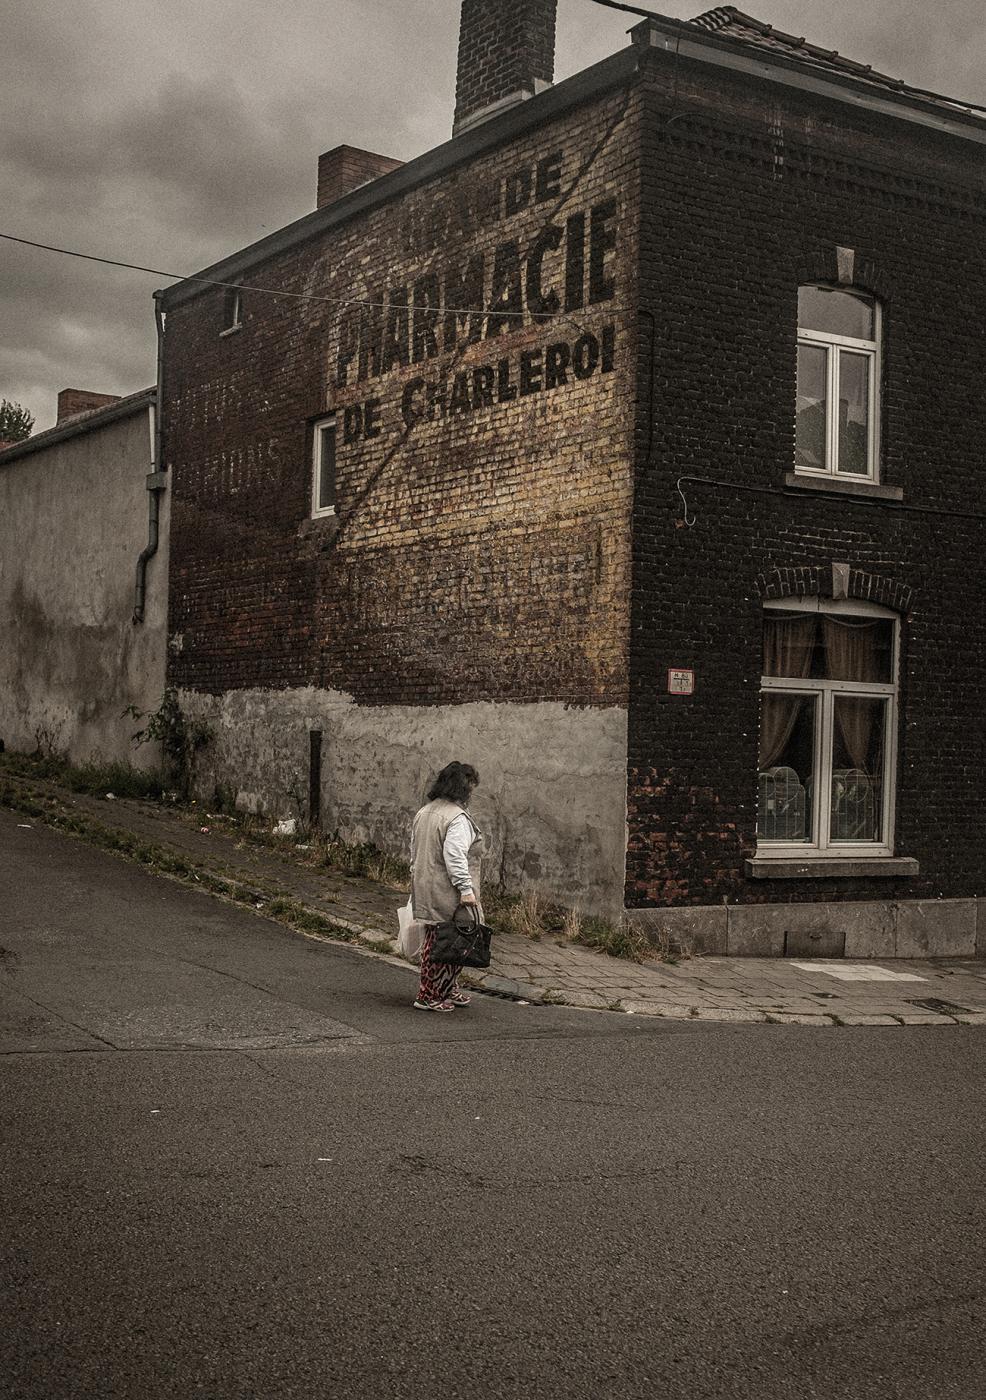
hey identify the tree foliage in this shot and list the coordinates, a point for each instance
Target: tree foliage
(15, 422)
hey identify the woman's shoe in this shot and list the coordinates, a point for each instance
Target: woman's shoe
(458, 998)
(434, 1005)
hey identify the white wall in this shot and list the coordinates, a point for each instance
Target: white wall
(552, 794)
(73, 519)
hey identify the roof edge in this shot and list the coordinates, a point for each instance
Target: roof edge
(684, 40)
(82, 423)
(610, 72)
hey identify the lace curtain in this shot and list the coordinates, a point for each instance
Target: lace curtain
(851, 655)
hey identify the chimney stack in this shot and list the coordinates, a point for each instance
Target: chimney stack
(72, 402)
(506, 54)
(345, 168)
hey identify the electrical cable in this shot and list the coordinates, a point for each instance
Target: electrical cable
(893, 84)
(269, 291)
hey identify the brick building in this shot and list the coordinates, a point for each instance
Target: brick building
(628, 446)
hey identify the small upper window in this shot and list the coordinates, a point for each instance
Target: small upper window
(324, 467)
(232, 309)
(837, 430)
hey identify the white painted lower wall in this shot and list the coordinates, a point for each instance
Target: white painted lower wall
(551, 801)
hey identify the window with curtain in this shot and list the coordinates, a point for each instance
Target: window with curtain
(827, 729)
(836, 415)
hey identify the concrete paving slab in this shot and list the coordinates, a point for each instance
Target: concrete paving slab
(592, 1001)
(725, 1013)
(850, 1018)
(656, 1008)
(783, 1018)
(909, 1019)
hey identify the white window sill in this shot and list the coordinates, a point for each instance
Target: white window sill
(231, 330)
(325, 514)
(842, 485)
(829, 867)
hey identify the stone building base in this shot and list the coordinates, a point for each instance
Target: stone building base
(914, 928)
(551, 801)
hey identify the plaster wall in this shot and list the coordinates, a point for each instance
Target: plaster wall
(73, 519)
(889, 928)
(551, 801)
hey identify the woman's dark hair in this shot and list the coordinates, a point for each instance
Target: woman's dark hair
(455, 783)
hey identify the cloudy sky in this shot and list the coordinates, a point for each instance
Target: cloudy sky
(173, 134)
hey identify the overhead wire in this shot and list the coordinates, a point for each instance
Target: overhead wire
(272, 291)
(892, 84)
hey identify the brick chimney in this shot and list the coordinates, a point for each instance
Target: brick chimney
(72, 402)
(506, 54)
(345, 168)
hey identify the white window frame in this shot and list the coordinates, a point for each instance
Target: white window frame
(826, 691)
(319, 428)
(833, 345)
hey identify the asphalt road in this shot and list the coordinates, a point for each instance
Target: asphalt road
(236, 1163)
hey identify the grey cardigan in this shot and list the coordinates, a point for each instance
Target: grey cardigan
(434, 898)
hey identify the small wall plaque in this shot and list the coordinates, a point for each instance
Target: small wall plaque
(681, 682)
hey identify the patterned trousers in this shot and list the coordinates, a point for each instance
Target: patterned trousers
(438, 980)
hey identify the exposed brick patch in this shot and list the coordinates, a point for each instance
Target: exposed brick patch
(72, 402)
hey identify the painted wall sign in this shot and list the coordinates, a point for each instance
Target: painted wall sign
(681, 682)
(449, 316)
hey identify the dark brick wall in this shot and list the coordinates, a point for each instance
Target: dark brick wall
(346, 168)
(479, 554)
(746, 194)
(504, 45)
(74, 401)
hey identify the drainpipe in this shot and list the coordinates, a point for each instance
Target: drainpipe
(157, 480)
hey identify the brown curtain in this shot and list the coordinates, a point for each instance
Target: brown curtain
(788, 643)
(851, 655)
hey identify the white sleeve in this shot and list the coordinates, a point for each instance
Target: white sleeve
(458, 839)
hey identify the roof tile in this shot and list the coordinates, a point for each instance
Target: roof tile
(728, 22)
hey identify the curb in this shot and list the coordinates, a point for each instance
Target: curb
(373, 942)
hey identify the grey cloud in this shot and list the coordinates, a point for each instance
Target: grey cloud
(174, 134)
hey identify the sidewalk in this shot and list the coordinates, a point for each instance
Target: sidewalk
(276, 882)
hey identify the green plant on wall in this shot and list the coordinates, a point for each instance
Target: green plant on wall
(179, 737)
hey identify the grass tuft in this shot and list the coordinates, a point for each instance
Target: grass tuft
(94, 779)
(531, 916)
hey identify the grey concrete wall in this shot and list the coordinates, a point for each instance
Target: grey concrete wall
(73, 519)
(552, 797)
(905, 928)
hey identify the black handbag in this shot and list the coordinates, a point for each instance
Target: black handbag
(463, 940)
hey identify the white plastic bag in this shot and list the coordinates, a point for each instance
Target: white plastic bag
(411, 937)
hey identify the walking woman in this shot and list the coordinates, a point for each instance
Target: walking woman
(446, 850)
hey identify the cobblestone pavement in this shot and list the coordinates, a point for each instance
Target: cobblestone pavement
(831, 992)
